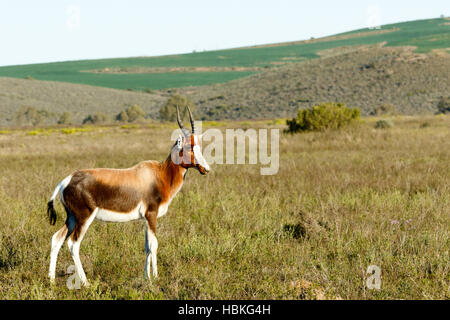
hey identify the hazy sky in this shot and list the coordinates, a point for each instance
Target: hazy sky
(59, 30)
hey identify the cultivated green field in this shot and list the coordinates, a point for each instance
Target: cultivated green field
(425, 35)
(341, 201)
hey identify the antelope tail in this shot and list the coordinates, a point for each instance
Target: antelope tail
(59, 188)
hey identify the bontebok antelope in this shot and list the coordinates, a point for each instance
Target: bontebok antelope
(121, 195)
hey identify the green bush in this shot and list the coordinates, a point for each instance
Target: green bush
(324, 116)
(131, 114)
(384, 124)
(444, 105)
(66, 118)
(169, 111)
(122, 116)
(27, 115)
(97, 118)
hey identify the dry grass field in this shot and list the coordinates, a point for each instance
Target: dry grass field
(341, 201)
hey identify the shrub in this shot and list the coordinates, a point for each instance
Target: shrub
(169, 111)
(384, 124)
(66, 118)
(30, 116)
(97, 118)
(218, 112)
(324, 116)
(384, 109)
(444, 105)
(131, 114)
(122, 117)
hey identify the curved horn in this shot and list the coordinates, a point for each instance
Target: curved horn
(192, 121)
(179, 120)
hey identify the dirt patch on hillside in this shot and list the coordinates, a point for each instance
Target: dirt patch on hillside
(326, 39)
(441, 52)
(131, 70)
(347, 49)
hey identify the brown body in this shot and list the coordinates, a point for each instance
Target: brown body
(121, 190)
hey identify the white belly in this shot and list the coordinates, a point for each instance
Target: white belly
(114, 216)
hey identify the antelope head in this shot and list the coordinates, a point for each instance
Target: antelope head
(187, 151)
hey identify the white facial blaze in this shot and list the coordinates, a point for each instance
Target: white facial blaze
(199, 157)
(184, 143)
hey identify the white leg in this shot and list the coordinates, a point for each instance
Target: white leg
(151, 246)
(74, 247)
(147, 255)
(57, 241)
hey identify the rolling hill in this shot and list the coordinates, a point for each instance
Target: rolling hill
(406, 65)
(366, 77)
(78, 99)
(220, 66)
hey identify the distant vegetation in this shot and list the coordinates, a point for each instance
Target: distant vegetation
(169, 111)
(355, 68)
(97, 118)
(323, 116)
(444, 105)
(385, 109)
(398, 81)
(131, 114)
(28, 115)
(66, 118)
(383, 124)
